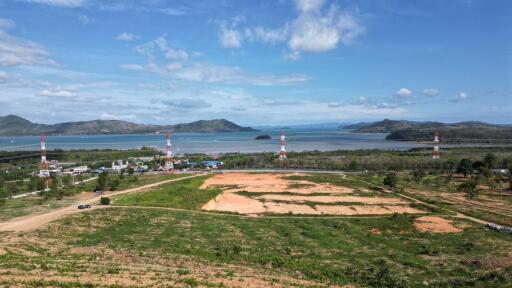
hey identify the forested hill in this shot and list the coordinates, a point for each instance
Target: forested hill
(15, 125)
(462, 132)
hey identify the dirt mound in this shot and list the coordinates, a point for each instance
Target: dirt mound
(435, 224)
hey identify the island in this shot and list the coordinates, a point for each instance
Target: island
(262, 137)
(12, 125)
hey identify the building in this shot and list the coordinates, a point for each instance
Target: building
(118, 166)
(212, 164)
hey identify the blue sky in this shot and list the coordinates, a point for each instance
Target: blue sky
(256, 62)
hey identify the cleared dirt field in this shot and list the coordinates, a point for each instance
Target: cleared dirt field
(435, 225)
(255, 194)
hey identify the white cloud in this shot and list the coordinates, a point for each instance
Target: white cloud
(126, 37)
(60, 3)
(229, 37)
(57, 92)
(109, 116)
(316, 29)
(403, 93)
(461, 96)
(319, 32)
(178, 66)
(176, 54)
(265, 35)
(309, 5)
(17, 51)
(132, 67)
(431, 92)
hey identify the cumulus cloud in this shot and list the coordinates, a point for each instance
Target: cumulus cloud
(403, 93)
(431, 92)
(461, 96)
(17, 51)
(316, 29)
(229, 37)
(126, 37)
(265, 35)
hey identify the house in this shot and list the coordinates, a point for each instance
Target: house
(212, 164)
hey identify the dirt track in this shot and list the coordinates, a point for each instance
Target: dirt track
(32, 222)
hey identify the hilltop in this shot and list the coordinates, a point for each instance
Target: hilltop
(461, 132)
(15, 125)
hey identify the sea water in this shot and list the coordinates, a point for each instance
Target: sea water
(212, 143)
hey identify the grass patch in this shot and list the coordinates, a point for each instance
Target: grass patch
(184, 194)
(338, 251)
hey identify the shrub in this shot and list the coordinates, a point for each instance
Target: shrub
(104, 201)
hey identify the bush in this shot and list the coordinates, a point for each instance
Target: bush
(104, 201)
(391, 180)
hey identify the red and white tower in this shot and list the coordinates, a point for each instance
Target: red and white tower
(282, 153)
(169, 164)
(44, 172)
(436, 154)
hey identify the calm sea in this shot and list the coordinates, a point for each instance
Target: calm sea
(297, 140)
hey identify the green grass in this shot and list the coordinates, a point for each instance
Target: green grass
(183, 194)
(339, 251)
(12, 208)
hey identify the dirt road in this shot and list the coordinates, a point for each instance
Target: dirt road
(32, 222)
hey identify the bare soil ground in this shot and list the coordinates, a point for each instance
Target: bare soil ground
(338, 201)
(262, 182)
(436, 224)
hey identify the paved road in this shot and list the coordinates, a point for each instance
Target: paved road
(32, 222)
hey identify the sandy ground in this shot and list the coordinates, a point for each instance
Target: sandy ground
(269, 183)
(435, 224)
(32, 222)
(349, 204)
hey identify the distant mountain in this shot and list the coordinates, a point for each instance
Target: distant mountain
(15, 125)
(462, 132)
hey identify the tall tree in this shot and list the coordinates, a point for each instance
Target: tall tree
(469, 187)
(465, 167)
(490, 161)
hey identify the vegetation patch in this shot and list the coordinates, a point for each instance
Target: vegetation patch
(184, 194)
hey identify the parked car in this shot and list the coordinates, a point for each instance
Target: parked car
(84, 206)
